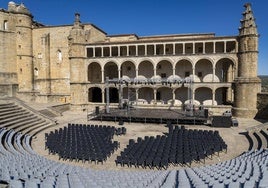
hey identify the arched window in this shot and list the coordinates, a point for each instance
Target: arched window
(35, 71)
(59, 55)
(5, 25)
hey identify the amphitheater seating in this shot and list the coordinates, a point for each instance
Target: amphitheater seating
(14, 116)
(83, 142)
(21, 167)
(257, 138)
(179, 146)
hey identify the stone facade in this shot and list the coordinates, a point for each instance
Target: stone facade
(70, 64)
(262, 106)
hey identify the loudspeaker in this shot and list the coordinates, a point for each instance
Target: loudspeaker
(221, 121)
(120, 122)
(206, 113)
(97, 110)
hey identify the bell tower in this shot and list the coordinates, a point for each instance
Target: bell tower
(247, 84)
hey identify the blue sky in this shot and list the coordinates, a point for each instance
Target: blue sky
(156, 17)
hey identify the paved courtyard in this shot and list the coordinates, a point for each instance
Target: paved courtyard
(236, 142)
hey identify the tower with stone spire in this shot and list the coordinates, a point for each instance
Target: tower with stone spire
(77, 41)
(247, 84)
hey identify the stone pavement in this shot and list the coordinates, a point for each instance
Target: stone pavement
(236, 142)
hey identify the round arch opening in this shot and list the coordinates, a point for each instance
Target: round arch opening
(164, 69)
(128, 69)
(146, 69)
(225, 70)
(203, 68)
(94, 95)
(110, 70)
(113, 95)
(183, 68)
(94, 73)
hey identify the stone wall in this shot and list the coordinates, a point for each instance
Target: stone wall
(262, 106)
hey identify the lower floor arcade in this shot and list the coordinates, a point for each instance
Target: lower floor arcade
(161, 95)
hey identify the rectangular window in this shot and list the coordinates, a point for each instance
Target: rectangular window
(89, 52)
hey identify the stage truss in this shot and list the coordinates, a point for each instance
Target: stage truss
(125, 82)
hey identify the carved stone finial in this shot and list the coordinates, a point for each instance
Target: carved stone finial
(77, 17)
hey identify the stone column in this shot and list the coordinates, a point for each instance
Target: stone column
(213, 97)
(137, 93)
(103, 95)
(213, 74)
(119, 73)
(145, 50)
(102, 75)
(173, 94)
(94, 53)
(155, 91)
(127, 50)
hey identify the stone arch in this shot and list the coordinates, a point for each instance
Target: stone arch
(128, 68)
(203, 67)
(204, 95)
(129, 94)
(95, 95)
(184, 68)
(222, 96)
(181, 94)
(146, 93)
(168, 60)
(113, 95)
(164, 94)
(224, 69)
(164, 69)
(146, 69)
(94, 72)
(110, 70)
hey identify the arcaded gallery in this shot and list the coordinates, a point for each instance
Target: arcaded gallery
(155, 69)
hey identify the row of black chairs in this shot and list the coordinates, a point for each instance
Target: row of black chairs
(83, 142)
(178, 146)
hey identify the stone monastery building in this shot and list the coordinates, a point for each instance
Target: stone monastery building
(76, 63)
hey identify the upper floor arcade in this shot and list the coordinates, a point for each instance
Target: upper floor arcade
(213, 69)
(166, 46)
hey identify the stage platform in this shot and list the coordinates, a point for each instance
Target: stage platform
(157, 116)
